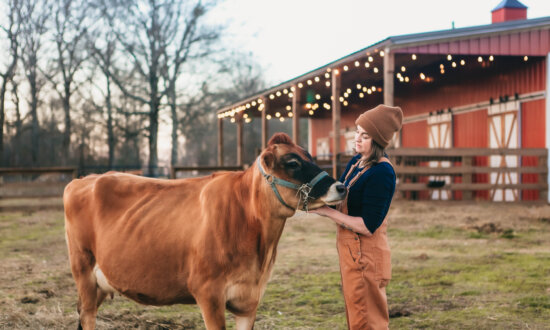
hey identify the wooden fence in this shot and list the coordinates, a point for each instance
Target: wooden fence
(476, 173)
(201, 170)
(466, 173)
(35, 182)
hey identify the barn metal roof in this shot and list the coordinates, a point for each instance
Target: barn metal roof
(426, 38)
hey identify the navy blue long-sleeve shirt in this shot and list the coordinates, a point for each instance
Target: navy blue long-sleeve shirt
(371, 195)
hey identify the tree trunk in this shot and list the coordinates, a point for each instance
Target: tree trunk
(67, 132)
(34, 122)
(174, 113)
(2, 109)
(110, 133)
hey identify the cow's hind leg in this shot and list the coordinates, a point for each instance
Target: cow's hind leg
(82, 265)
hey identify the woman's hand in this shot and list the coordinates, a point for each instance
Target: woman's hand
(324, 211)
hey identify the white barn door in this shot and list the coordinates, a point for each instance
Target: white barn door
(503, 133)
(440, 128)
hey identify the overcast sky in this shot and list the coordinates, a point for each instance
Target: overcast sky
(291, 37)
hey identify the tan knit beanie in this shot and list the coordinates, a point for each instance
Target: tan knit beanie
(381, 123)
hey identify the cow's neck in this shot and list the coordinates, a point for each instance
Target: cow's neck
(270, 214)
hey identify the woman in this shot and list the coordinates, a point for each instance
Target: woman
(362, 242)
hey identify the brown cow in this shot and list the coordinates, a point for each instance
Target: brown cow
(210, 240)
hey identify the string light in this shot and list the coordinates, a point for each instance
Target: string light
(403, 68)
(316, 79)
(367, 65)
(327, 83)
(327, 75)
(357, 63)
(282, 119)
(285, 91)
(300, 85)
(462, 62)
(370, 59)
(453, 64)
(449, 57)
(288, 108)
(413, 56)
(268, 117)
(311, 112)
(346, 68)
(271, 96)
(491, 58)
(290, 114)
(480, 59)
(375, 70)
(525, 58)
(422, 76)
(277, 114)
(382, 53)
(278, 93)
(309, 82)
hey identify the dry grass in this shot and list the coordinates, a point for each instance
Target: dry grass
(455, 265)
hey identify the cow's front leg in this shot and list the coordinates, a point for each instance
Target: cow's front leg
(245, 322)
(213, 311)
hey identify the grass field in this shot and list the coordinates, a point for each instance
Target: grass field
(455, 266)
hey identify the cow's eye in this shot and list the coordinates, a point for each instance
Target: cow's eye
(293, 164)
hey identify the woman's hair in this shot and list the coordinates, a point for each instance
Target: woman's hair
(376, 152)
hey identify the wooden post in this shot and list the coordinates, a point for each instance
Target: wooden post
(264, 122)
(239, 119)
(467, 177)
(389, 67)
(336, 80)
(296, 115)
(220, 141)
(543, 178)
(548, 116)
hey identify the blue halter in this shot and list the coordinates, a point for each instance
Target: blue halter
(303, 190)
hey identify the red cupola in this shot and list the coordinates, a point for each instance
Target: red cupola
(509, 10)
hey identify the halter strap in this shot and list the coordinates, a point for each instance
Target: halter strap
(303, 189)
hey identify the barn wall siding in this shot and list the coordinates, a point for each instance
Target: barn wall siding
(530, 78)
(533, 135)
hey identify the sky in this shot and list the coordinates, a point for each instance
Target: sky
(291, 37)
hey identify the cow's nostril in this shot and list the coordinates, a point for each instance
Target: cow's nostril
(341, 189)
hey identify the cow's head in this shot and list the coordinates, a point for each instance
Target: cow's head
(296, 181)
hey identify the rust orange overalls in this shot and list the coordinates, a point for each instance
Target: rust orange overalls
(365, 266)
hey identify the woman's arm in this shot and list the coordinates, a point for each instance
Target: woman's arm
(354, 224)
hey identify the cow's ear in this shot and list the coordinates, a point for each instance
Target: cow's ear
(269, 159)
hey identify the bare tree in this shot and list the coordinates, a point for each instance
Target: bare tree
(158, 36)
(70, 26)
(34, 15)
(11, 30)
(103, 56)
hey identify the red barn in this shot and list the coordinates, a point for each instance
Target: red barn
(475, 87)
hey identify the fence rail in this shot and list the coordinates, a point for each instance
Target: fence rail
(475, 173)
(175, 169)
(466, 173)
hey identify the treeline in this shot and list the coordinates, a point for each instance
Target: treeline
(88, 83)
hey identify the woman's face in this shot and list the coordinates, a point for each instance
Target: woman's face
(363, 141)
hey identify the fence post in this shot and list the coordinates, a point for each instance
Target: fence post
(172, 172)
(467, 177)
(543, 177)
